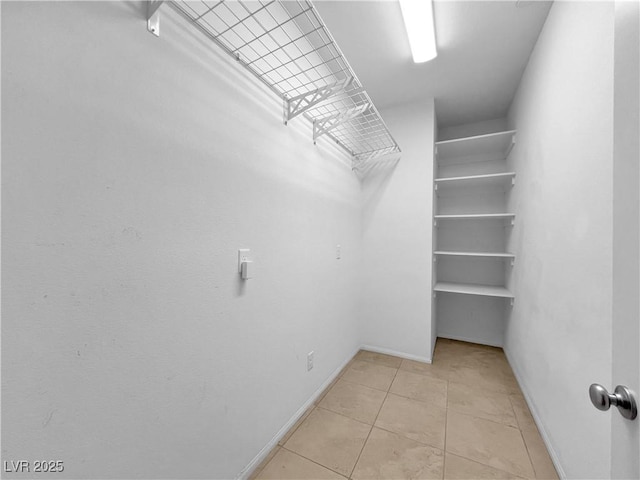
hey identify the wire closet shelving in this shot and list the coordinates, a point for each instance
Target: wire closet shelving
(286, 45)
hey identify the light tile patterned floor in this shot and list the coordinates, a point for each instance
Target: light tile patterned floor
(462, 417)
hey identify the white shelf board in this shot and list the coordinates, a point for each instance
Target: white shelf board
(472, 289)
(476, 215)
(475, 254)
(499, 143)
(489, 179)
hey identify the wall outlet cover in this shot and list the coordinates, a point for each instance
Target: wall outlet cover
(309, 361)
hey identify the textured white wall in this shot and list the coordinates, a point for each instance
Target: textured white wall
(134, 167)
(397, 209)
(558, 338)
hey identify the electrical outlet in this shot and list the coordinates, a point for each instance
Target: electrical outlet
(338, 252)
(309, 361)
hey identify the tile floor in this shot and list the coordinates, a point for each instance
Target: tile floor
(462, 417)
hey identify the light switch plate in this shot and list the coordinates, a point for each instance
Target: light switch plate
(244, 255)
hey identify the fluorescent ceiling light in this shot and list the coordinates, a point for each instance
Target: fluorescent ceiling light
(418, 20)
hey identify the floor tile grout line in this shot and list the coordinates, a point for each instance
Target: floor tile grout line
(446, 421)
(298, 424)
(489, 466)
(520, 426)
(418, 399)
(535, 474)
(446, 414)
(485, 419)
(313, 461)
(492, 467)
(372, 426)
(256, 473)
(353, 469)
(361, 384)
(409, 438)
(318, 406)
(345, 416)
(369, 386)
(513, 410)
(456, 411)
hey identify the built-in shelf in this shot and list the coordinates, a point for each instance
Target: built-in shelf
(493, 143)
(471, 264)
(475, 254)
(497, 216)
(492, 179)
(472, 289)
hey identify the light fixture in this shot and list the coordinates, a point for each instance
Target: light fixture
(418, 20)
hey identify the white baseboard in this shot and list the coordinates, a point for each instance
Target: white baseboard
(388, 351)
(257, 460)
(469, 340)
(536, 417)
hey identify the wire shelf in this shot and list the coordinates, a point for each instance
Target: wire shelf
(287, 46)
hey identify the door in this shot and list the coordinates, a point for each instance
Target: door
(625, 441)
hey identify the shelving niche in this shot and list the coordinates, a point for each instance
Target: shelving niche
(471, 227)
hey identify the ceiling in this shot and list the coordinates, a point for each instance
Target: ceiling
(483, 48)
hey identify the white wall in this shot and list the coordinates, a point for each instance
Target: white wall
(397, 209)
(134, 167)
(559, 335)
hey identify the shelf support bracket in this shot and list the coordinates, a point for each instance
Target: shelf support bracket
(392, 153)
(511, 145)
(303, 102)
(326, 124)
(153, 17)
(511, 302)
